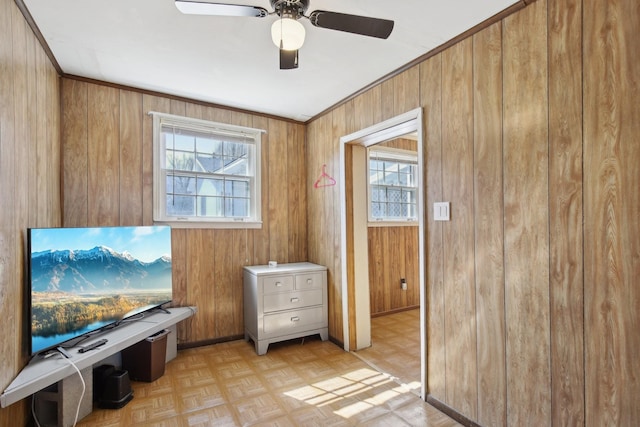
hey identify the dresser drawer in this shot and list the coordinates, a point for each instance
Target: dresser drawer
(309, 281)
(273, 284)
(291, 300)
(292, 321)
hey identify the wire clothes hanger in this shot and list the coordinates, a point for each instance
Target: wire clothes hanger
(325, 180)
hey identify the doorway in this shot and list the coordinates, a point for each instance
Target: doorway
(354, 223)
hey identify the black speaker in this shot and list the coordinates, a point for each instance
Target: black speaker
(117, 390)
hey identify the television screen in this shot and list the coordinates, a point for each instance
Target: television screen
(84, 279)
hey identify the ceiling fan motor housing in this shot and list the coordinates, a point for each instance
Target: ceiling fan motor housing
(290, 8)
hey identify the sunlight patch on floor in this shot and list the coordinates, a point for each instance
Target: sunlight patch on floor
(350, 385)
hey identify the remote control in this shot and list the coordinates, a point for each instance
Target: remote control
(93, 345)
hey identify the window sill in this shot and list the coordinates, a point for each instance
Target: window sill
(213, 224)
(413, 223)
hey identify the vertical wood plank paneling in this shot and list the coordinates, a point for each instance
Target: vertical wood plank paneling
(612, 203)
(315, 164)
(526, 216)
(9, 271)
(367, 110)
(131, 123)
(35, 198)
(54, 210)
(279, 179)
(459, 285)
(21, 126)
(397, 269)
(431, 99)
(221, 281)
(312, 199)
(385, 271)
(406, 91)
(412, 266)
(489, 236)
(55, 194)
(242, 249)
(387, 107)
(376, 279)
(297, 194)
(393, 255)
(75, 167)
(261, 236)
(103, 156)
(183, 295)
(201, 264)
(42, 160)
(565, 212)
(340, 124)
(29, 173)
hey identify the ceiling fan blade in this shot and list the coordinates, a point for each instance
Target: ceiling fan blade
(363, 25)
(288, 59)
(220, 9)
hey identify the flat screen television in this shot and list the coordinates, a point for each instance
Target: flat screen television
(83, 280)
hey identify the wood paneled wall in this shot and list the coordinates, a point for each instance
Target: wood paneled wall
(107, 180)
(531, 132)
(611, 150)
(393, 255)
(29, 179)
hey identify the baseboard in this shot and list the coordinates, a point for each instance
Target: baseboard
(442, 407)
(397, 310)
(194, 344)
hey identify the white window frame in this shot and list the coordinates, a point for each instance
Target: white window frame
(250, 135)
(405, 156)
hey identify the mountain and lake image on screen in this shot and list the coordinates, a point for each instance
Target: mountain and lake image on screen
(83, 279)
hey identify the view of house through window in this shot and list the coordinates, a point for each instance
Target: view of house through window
(393, 185)
(205, 171)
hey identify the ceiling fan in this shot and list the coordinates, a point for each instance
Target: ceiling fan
(287, 33)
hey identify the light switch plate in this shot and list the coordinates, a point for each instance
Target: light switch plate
(441, 211)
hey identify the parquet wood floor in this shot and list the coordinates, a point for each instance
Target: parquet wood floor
(395, 347)
(297, 383)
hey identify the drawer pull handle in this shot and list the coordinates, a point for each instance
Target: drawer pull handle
(309, 281)
(278, 284)
(295, 299)
(295, 319)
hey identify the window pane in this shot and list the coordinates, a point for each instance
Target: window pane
(180, 205)
(377, 194)
(240, 188)
(180, 161)
(210, 187)
(210, 206)
(177, 184)
(205, 145)
(377, 210)
(182, 142)
(237, 207)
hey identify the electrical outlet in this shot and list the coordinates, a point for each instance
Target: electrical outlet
(403, 284)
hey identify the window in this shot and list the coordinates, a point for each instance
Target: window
(205, 172)
(393, 185)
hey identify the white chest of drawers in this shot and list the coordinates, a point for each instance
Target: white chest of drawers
(284, 302)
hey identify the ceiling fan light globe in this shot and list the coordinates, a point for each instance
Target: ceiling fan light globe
(290, 32)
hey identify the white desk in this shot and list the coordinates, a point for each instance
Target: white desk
(41, 373)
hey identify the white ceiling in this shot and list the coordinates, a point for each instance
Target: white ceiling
(231, 61)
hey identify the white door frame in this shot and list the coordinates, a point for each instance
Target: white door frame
(358, 141)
